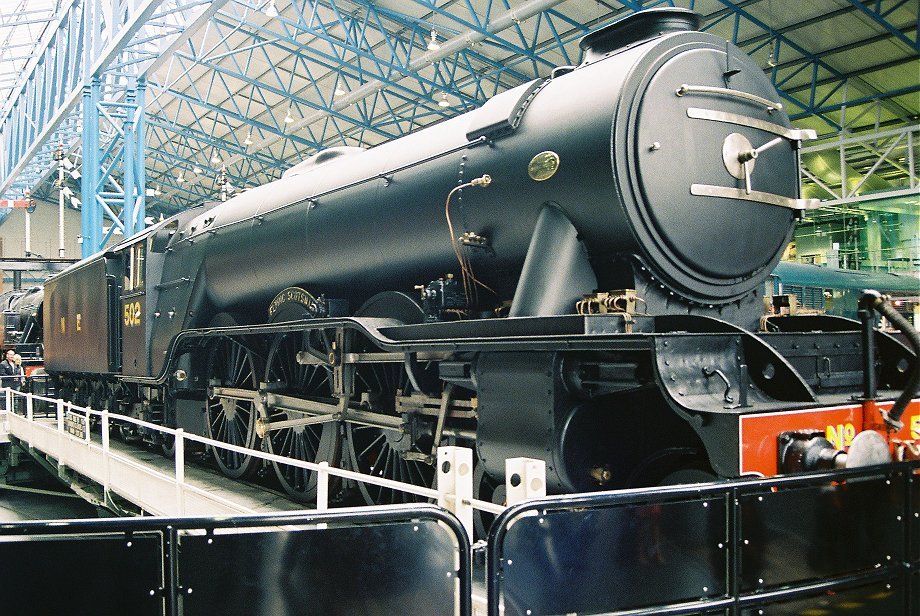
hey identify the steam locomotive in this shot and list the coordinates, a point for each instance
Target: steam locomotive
(573, 272)
(21, 311)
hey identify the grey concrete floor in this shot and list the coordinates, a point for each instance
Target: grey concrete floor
(16, 505)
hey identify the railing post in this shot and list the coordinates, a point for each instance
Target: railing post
(455, 484)
(9, 400)
(105, 431)
(525, 478)
(29, 407)
(180, 469)
(107, 470)
(86, 434)
(322, 487)
(171, 571)
(60, 415)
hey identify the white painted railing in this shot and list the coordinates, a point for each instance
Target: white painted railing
(454, 464)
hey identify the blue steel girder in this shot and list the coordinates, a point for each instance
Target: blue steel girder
(195, 147)
(783, 72)
(211, 143)
(173, 195)
(417, 43)
(117, 39)
(526, 52)
(123, 202)
(297, 100)
(339, 65)
(186, 143)
(875, 12)
(219, 112)
(254, 83)
(188, 191)
(871, 98)
(348, 34)
(362, 48)
(197, 144)
(52, 87)
(31, 118)
(151, 22)
(260, 85)
(322, 113)
(135, 164)
(526, 47)
(121, 69)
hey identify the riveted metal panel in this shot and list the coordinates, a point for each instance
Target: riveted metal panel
(883, 598)
(99, 575)
(395, 568)
(601, 560)
(815, 532)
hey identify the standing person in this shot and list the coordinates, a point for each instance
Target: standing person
(20, 372)
(8, 370)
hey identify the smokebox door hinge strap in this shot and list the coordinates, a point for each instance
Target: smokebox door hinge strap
(757, 196)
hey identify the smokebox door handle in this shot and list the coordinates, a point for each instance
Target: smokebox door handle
(708, 373)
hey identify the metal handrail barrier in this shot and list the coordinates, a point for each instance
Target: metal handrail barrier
(322, 469)
(883, 517)
(174, 530)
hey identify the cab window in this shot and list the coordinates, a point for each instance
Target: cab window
(134, 278)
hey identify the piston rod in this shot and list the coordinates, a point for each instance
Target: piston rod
(316, 412)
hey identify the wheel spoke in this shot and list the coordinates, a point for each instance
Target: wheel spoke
(373, 444)
(417, 476)
(287, 442)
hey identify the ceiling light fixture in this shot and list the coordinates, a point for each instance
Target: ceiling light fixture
(248, 140)
(271, 10)
(433, 44)
(196, 170)
(339, 90)
(771, 59)
(288, 118)
(180, 177)
(443, 102)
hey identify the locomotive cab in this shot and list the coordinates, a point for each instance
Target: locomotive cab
(133, 304)
(153, 292)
